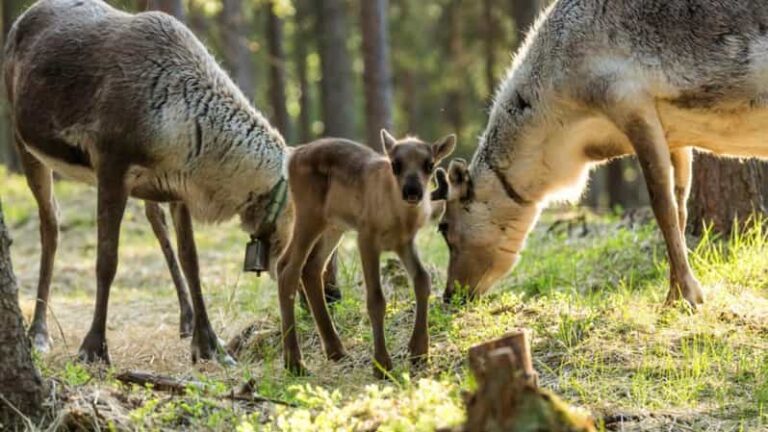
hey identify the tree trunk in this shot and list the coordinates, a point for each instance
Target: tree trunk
(619, 190)
(8, 155)
(490, 36)
(595, 194)
(280, 117)
(303, 27)
(724, 191)
(234, 45)
(20, 384)
(171, 7)
(407, 93)
(376, 76)
(410, 103)
(197, 20)
(142, 5)
(524, 13)
(337, 84)
(455, 48)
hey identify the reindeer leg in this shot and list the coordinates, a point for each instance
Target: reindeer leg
(112, 197)
(647, 137)
(682, 161)
(422, 286)
(205, 344)
(156, 218)
(330, 280)
(330, 284)
(306, 232)
(376, 303)
(40, 181)
(312, 277)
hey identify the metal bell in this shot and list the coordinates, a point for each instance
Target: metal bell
(256, 256)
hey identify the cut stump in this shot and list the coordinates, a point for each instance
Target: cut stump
(508, 397)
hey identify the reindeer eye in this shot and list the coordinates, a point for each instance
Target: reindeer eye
(397, 167)
(428, 166)
(522, 104)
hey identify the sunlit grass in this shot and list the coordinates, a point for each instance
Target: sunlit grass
(600, 336)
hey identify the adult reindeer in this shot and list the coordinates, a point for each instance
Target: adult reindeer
(599, 79)
(136, 106)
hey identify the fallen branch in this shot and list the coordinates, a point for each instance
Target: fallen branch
(245, 393)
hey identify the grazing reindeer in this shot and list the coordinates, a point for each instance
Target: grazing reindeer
(135, 105)
(597, 80)
(338, 185)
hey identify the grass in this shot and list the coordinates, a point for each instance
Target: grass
(593, 302)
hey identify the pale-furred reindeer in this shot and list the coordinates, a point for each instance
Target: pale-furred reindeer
(137, 107)
(336, 186)
(596, 80)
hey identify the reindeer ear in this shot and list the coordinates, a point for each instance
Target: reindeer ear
(443, 147)
(441, 193)
(387, 142)
(460, 183)
(458, 172)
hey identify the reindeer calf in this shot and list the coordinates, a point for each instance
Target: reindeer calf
(336, 186)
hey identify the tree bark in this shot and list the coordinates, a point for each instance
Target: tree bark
(234, 46)
(455, 48)
(197, 21)
(524, 13)
(337, 83)
(171, 7)
(406, 72)
(8, 155)
(725, 191)
(490, 36)
(619, 190)
(303, 26)
(377, 76)
(21, 386)
(410, 103)
(280, 117)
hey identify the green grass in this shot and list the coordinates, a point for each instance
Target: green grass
(600, 336)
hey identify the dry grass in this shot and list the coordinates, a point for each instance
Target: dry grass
(600, 337)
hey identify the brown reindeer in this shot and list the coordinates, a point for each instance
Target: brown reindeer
(336, 186)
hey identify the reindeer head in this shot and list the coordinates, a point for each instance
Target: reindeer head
(413, 162)
(484, 229)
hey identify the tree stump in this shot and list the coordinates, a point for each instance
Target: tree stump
(508, 397)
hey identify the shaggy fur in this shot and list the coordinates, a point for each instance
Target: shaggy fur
(598, 79)
(86, 79)
(135, 105)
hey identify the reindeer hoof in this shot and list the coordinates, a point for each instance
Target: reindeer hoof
(94, 350)
(418, 349)
(41, 342)
(332, 294)
(186, 325)
(206, 346)
(337, 355)
(381, 368)
(687, 289)
(419, 358)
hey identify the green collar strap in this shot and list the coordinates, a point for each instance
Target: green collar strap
(278, 197)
